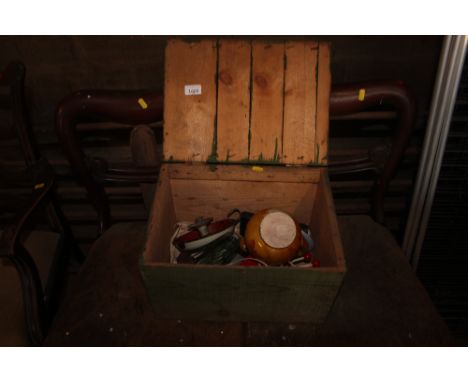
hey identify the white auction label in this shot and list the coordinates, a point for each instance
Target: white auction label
(192, 90)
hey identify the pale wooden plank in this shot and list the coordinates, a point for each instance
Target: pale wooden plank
(233, 100)
(189, 119)
(300, 102)
(247, 173)
(323, 98)
(161, 222)
(324, 227)
(216, 198)
(266, 125)
(250, 294)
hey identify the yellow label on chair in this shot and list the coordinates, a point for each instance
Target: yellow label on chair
(39, 185)
(142, 103)
(361, 94)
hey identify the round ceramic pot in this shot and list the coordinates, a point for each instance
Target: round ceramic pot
(273, 236)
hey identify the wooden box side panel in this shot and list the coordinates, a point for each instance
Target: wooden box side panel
(324, 226)
(216, 198)
(161, 222)
(241, 294)
(260, 102)
(197, 190)
(237, 293)
(242, 172)
(187, 191)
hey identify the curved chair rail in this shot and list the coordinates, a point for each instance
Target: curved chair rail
(357, 97)
(132, 107)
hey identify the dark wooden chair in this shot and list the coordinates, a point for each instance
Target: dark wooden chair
(108, 106)
(382, 160)
(381, 301)
(35, 240)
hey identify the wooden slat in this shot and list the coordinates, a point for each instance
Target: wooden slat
(237, 172)
(249, 294)
(324, 227)
(266, 123)
(216, 198)
(323, 96)
(233, 100)
(189, 119)
(279, 95)
(300, 102)
(162, 220)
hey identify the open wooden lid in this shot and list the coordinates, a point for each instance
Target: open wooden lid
(243, 101)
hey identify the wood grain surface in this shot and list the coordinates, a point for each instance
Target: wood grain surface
(381, 302)
(323, 96)
(266, 124)
(233, 100)
(268, 103)
(300, 102)
(189, 120)
(188, 191)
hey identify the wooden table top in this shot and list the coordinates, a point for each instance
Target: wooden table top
(381, 302)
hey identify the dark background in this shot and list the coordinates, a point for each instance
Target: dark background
(59, 65)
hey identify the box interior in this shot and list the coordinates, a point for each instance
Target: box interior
(187, 191)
